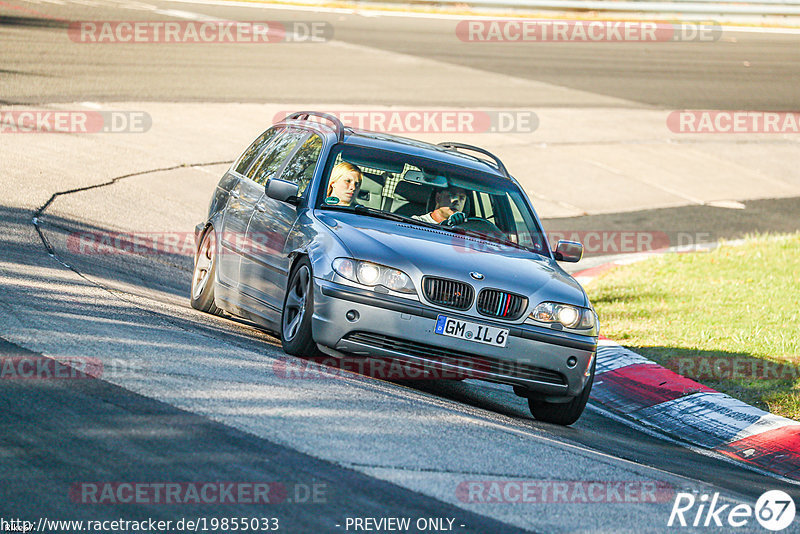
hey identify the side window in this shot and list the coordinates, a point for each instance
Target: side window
(253, 150)
(523, 223)
(483, 205)
(271, 160)
(301, 167)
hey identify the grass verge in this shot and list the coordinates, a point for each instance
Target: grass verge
(729, 318)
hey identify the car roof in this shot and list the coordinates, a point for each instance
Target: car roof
(396, 143)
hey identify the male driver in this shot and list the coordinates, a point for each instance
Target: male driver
(449, 205)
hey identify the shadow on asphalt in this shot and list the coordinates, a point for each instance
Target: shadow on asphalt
(69, 448)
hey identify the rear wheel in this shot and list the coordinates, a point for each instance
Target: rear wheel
(562, 413)
(298, 307)
(205, 269)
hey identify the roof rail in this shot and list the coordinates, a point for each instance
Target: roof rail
(303, 115)
(500, 166)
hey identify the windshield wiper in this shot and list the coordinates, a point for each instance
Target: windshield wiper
(366, 210)
(487, 237)
(374, 212)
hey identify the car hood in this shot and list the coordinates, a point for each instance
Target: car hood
(421, 250)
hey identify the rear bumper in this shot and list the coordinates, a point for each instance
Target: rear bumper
(403, 329)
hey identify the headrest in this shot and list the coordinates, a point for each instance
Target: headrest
(413, 192)
(379, 179)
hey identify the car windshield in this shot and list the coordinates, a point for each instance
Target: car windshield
(399, 186)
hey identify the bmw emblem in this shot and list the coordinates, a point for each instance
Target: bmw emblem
(476, 275)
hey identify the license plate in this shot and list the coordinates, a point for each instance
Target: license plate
(480, 333)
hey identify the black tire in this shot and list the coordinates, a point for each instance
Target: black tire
(298, 307)
(204, 274)
(564, 413)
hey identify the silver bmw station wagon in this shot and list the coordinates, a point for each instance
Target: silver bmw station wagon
(361, 244)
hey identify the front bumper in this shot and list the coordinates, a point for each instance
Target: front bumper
(403, 329)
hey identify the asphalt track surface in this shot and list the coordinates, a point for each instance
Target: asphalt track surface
(739, 71)
(196, 401)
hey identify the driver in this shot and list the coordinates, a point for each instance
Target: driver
(449, 205)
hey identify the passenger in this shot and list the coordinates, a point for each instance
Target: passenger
(449, 205)
(344, 184)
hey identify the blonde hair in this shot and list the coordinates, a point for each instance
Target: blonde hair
(342, 168)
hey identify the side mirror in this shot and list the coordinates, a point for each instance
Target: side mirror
(569, 251)
(283, 191)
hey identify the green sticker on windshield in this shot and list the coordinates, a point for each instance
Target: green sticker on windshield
(332, 200)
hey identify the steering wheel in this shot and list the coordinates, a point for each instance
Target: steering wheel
(478, 223)
(483, 226)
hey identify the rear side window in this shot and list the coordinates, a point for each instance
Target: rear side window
(272, 159)
(301, 167)
(255, 149)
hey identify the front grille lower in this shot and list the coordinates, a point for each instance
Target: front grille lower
(474, 364)
(496, 303)
(448, 293)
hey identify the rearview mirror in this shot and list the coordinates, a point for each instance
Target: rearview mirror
(283, 191)
(569, 251)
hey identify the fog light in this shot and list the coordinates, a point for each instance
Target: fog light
(572, 361)
(352, 316)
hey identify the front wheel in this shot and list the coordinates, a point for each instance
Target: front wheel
(298, 307)
(563, 413)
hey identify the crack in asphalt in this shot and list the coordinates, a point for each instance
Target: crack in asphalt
(39, 213)
(43, 207)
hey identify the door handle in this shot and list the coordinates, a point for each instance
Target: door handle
(261, 208)
(235, 193)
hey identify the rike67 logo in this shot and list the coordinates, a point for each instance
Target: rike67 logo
(774, 510)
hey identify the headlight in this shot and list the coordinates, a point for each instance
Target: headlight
(564, 314)
(368, 273)
(371, 274)
(569, 316)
